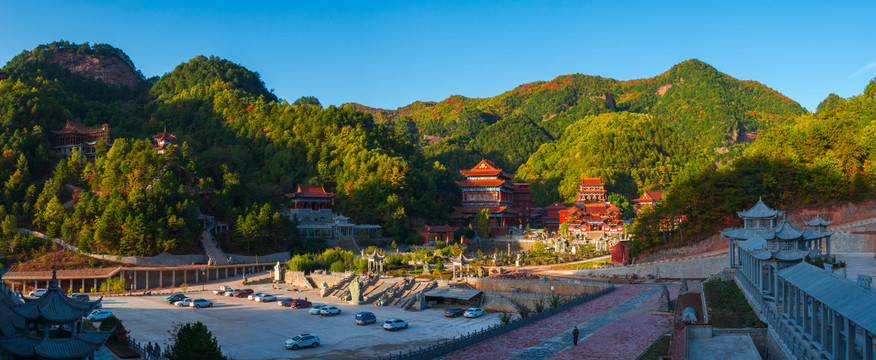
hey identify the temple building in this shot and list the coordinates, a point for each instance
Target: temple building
(582, 218)
(488, 187)
(431, 234)
(591, 190)
(76, 136)
(311, 207)
(48, 327)
(767, 245)
(550, 218)
(648, 198)
(163, 141)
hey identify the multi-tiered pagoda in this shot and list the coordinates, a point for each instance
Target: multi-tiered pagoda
(488, 187)
(48, 327)
(75, 136)
(163, 141)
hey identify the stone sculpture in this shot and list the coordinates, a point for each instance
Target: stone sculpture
(683, 289)
(664, 303)
(355, 292)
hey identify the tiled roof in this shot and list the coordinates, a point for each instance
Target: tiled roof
(556, 206)
(853, 302)
(786, 231)
(760, 210)
(649, 196)
(72, 127)
(485, 168)
(480, 182)
(818, 221)
(308, 191)
(435, 229)
(494, 209)
(165, 136)
(591, 182)
(76, 347)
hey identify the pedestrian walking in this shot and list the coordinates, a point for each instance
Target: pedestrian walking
(149, 350)
(156, 352)
(575, 336)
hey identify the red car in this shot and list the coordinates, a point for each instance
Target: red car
(244, 293)
(453, 312)
(300, 303)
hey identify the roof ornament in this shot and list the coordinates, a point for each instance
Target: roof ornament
(54, 283)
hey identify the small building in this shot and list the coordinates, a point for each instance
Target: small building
(591, 190)
(163, 141)
(76, 136)
(311, 207)
(431, 234)
(648, 198)
(550, 221)
(48, 327)
(311, 197)
(620, 253)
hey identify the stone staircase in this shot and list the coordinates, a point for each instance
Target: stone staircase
(349, 243)
(408, 300)
(391, 295)
(338, 289)
(214, 253)
(376, 291)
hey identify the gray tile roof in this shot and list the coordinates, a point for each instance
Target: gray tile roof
(818, 221)
(760, 210)
(853, 302)
(453, 293)
(55, 307)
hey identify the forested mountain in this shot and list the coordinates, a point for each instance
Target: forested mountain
(239, 151)
(820, 158)
(709, 110)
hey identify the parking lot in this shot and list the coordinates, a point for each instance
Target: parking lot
(249, 330)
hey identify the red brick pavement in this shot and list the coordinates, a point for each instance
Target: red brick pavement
(623, 339)
(515, 342)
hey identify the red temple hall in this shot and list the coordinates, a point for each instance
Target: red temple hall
(591, 190)
(488, 187)
(311, 197)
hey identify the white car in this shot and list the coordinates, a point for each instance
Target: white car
(316, 309)
(222, 290)
(330, 311)
(253, 296)
(230, 292)
(266, 298)
(201, 303)
(473, 312)
(98, 315)
(395, 324)
(303, 340)
(184, 302)
(37, 293)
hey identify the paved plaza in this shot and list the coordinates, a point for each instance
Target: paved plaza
(618, 325)
(251, 330)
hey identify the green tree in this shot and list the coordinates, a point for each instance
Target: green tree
(193, 341)
(483, 223)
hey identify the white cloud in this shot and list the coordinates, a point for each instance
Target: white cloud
(864, 69)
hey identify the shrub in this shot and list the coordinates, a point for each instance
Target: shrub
(523, 310)
(555, 300)
(505, 318)
(115, 284)
(440, 266)
(337, 266)
(539, 306)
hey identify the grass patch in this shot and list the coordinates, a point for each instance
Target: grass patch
(657, 349)
(728, 307)
(585, 265)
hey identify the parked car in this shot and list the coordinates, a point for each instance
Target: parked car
(287, 302)
(232, 292)
(266, 298)
(222, 290)
(253, 296)
(300, 303)
(316, 309)
(244, 293)
(201, 303)
(303, 340)
(395, 324)
(365, 317)
(37, 293)
(175, 297)
(330, 311)
(474, 312)
(98, 315)
(79, 297)
(453, 312)
(184, 302)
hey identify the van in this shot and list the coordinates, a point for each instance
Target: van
(365, 317)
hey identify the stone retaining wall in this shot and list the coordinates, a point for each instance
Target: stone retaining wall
(545, 287)
(697, 267)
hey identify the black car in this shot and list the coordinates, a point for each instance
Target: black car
(453, 312)
(175, 297)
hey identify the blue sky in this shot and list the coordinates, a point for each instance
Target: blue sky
(389, 54)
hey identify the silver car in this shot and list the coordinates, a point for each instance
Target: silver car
(303, 340)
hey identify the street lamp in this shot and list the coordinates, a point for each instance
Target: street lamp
(203, 272)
